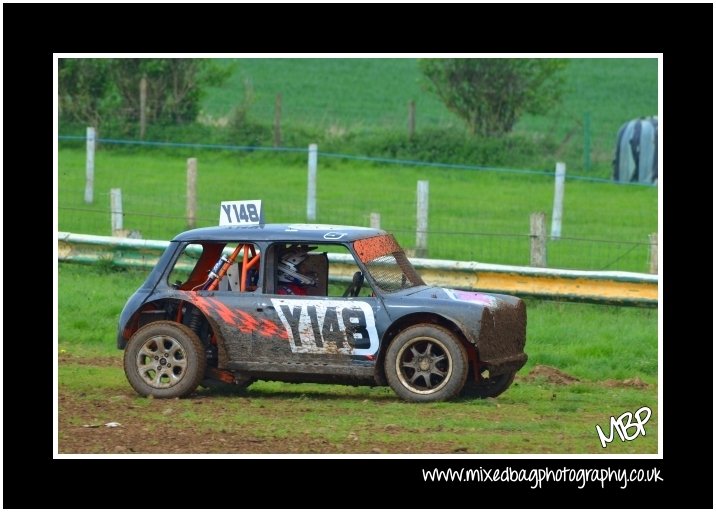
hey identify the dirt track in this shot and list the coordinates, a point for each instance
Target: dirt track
(143, 434)
(253, 422)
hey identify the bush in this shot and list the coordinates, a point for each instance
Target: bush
(491, 95)
(454, 147)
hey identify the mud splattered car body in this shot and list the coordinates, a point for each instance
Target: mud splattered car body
(386, 327)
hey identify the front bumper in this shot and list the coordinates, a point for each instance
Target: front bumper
(503, 332)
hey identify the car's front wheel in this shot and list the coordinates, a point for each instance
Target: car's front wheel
(426, 363)
(165, 360)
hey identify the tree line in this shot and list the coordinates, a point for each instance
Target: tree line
(101, 91)
(488, 94)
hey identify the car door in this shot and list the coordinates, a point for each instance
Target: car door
(320, 331)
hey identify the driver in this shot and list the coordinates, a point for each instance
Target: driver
(291, 281)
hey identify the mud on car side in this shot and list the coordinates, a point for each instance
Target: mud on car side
(312, 303)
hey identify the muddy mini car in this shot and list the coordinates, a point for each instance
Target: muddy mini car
(312, 303)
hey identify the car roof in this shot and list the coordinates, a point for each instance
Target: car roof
(321, 233)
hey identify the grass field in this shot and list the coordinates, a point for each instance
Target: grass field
(474, 215)
(612, 351)
(340, 95)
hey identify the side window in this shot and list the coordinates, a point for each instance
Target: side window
(327, 270)
(217, 266)
(242, 269)
(185, 265)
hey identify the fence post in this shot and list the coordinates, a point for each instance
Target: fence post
(116, 212)
(421, 233)
(375, 220)
(558, 200)
(191, 171)
(654, 253)
(277, 123)
(411, 119)
(538, 239)
(89, 184)
(312, 177)
(142, 107)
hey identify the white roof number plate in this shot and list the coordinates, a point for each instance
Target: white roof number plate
(240, 213)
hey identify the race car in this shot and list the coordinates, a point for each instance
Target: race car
(313, 303)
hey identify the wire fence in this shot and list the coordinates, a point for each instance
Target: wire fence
(482, 216)
(347, 156)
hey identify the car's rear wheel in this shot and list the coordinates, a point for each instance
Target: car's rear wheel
(426, 363)
(487, 388)
(165, 360)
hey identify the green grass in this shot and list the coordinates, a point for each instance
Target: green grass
(359, 95)
(474, 215)
(334, 93)
(90, 300)
(593, 342)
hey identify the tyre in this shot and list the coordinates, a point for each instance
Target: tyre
(487, 388)
(165, 360)
(426, 363)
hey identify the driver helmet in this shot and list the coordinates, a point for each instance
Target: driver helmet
(288, 269)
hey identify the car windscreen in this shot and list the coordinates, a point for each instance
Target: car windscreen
(387, 263)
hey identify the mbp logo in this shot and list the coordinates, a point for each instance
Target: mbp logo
(623, 423)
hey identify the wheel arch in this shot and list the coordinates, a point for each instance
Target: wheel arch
(170, 308)
(411, 319)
